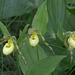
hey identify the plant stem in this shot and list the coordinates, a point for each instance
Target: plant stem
(37, 53)
(23, 58)
(47, 44)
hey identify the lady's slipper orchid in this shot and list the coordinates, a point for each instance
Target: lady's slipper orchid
(8, 47)
(34, 40)
(71, 41)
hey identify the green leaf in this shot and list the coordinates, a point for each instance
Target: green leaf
(31, 54)
(40, 19)
(22, 36)
(9, 8)
(60, 33)
(69, 22)
(45, 66)
(4, 29)
(56, 13)
(71, 10)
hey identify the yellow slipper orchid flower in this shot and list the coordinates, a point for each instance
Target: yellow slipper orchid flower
(34, 40)
(8, 47)
(71, 41)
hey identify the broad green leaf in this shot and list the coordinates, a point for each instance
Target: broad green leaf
(40, 19)
(10, 8)
(4, 29)
(45, 66)
(71, 10)
(56, 13)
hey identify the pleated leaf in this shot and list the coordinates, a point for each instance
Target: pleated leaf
(10, 8)
(56, 13)
(45, 66)
(40, 19)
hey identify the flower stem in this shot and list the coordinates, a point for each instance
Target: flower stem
(43, 39)
(23, 59)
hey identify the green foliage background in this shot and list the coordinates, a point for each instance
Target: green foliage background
(52, 18)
